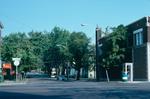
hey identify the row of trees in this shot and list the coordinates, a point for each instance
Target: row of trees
(58, 47)
(47, 49)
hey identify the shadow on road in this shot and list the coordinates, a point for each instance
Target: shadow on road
(103, 94)
(12, 95)
(125, 94)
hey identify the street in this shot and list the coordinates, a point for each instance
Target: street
(44, 88)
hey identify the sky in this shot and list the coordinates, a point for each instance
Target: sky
(44, 15)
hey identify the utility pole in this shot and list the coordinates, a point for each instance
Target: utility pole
(98, 36)
(1, 27)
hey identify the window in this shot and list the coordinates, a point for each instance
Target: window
(138, 36)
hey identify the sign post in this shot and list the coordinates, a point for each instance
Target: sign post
(16, 63)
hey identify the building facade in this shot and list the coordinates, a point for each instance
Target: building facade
(139, 47)
(138, 51)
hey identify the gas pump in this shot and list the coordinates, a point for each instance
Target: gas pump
(127, 72)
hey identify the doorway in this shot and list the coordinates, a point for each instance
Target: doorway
(127, 72)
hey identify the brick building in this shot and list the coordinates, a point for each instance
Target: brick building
(138, 50)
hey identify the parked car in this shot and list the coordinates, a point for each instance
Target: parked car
(35, 75)
(61, 77)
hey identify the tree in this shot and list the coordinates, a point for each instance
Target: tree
(114, 48)
(78, 47)
(38, 42)
(12, 47)
(29, 48)
(47, 49)
(57, 53)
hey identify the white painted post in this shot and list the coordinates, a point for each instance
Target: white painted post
(130, 66)
(131, 70)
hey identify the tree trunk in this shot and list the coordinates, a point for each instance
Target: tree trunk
(107, 75)
(78, 74)
(63, 70)
(50, 71)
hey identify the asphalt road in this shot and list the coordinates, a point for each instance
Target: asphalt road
(50, 89)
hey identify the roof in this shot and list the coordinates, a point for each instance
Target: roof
(137, 20)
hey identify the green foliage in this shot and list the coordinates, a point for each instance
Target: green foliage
(78, 47)
(28, 47)
(57, 52)
(91, 57)
(48, 49)
(114, 47)
(78, 44)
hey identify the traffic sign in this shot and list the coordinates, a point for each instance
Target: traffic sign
(16, 61)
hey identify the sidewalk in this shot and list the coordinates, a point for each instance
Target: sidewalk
(134, 82)
(9, 82)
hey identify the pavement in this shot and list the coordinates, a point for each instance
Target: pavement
(19, 82)
(13, 82)
(45, 88)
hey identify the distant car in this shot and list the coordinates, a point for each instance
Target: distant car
(61, 77)
(35, 75)
(30, 75)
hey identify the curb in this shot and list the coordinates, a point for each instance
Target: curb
(9, 83)
(135, 82)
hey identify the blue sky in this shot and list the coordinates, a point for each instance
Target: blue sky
(41, 15)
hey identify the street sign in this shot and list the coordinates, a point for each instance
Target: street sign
(16, 61)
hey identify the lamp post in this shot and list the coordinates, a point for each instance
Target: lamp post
(98, 34)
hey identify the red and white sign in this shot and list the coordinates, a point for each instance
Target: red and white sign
(7, 66)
